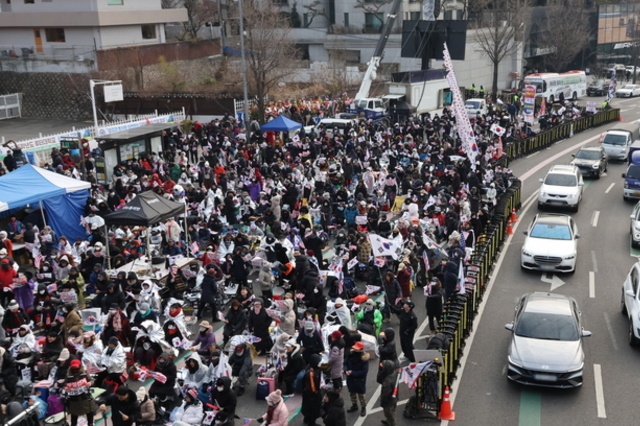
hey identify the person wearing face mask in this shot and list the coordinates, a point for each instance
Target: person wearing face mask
(164, 392)
(384, 226)
(91, 351)
(204, 341)
(78, 387)
(369, 319)
(7, 275)
(77, 284)
(241, 366)
(387, 346)
(224, 397)
(336, 358)
(24, 343)
(117, 325)
(144, 352)
(113, 296)
(356, 368)
(277, 412)
(236, 321)
(310, 340)
(197, 371)
(295, 364)
(259, 322)
(113, 361)
(350, 214)
(333, 409)
(149, 294)
(342, 313)
(191, 411)
(14, 317)
(387, 375)
(288, 323)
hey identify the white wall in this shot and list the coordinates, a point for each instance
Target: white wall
(128, 5)
(80, 37)
(55, 6)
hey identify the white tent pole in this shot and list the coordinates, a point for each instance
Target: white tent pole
(148, 231)
(186, 230)
(44, 220)
(106, 239)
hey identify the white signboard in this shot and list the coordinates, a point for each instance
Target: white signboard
(113, 93)
(591, 107)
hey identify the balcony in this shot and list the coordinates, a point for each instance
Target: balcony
(78, 53)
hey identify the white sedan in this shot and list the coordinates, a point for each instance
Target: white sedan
(630, 303)
(551, 244)
(628, 91)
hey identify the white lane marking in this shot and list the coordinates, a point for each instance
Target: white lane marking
(594, 218)
(626, 109)
(609, 188)
(592, 285)
(379, 409)
(593, 260)
(534, 154)
(476, 322)
(597, 375)
(376, 394)
(614, 343)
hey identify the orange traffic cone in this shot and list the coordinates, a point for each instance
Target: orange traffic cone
(514, 216)
(620, 118)
(445, 408)
(510, 228)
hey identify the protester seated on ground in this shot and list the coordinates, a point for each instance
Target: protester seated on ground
(147, 408)
(277, 412)
(225, 396)
(241, 366)
(117, 325)
(165, 392)
(114, 363)
(91, 351)
(205, 340)
(191, 411)
(197, 371)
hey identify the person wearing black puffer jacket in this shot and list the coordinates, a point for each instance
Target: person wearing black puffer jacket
(333, 408)
(387, 346)
(164, 391)
(312, 394)
(387, 376)
(224, 397)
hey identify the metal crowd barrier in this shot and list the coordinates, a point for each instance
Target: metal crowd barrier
(459, 313)
(520, 148)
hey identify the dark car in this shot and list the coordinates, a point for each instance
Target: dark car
(546, 341)
(598, 88)
(591, 160)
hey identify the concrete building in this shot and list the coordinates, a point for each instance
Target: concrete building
(64, 35)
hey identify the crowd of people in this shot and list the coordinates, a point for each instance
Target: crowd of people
(286, 237)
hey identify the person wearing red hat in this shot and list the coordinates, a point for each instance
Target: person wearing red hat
(78, 387)
(356, 368)
(336, 358)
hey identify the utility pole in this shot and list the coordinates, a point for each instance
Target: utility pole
(244, 72)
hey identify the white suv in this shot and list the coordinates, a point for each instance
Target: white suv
(562, 187)
(630, 303)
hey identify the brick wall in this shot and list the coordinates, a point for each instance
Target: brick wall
(50, 95)
(136, 56)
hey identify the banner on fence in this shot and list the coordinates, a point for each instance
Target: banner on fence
(529, 102)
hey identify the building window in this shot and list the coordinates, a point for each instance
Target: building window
(346, 19)
(115, 2)
(305, 20)
(55, 35)
(448, 15)
(29, 1)
(415, 16)
(373, 21)
(149, 32)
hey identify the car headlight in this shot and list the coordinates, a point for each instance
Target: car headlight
(595, 166)
(571, 256)
(626, 185)
(543, 194)
(526, 253)
(571, 196)
(514, 361)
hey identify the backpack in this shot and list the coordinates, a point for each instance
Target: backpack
(298, 383)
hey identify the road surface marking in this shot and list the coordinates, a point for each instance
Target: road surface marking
(530, 402)
(614, 343)
(626, 109)
(609, 188)
(597, 375)
(593, 260)
(535, 153)
(476, 322)
(594, 218)
(592, 285)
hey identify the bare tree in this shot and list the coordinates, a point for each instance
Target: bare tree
(270, 54)
(373, 7)
(564, 33)
(316, 8)
(500, 33)
(198, 13)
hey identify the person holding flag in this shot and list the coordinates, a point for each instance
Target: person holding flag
(163, 391)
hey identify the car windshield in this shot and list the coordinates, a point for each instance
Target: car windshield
(584, 154)
(633, 172)
(472, 105)
(547, 326)
(629, 86)
(560, 180)
(598, 83)
(551, 232)
(615, 139)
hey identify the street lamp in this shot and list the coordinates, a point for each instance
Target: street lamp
(93, 84)
(244, 72)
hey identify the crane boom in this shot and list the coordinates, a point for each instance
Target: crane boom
(373, 64)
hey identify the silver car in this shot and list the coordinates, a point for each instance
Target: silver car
(546, 341)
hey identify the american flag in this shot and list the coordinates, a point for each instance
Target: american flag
(158, 377)
(463, 242)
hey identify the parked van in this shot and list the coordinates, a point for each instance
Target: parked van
(631, 187)
(616, 141)
(475, 106)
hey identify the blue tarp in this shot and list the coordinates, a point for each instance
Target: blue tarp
(63, 197)
(280, 124)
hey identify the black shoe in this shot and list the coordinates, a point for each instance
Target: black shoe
(363, 412)
(353, 408)
(240, 391)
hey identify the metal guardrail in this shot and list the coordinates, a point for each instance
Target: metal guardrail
(523, 147)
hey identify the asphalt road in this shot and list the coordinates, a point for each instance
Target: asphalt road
(483, 395)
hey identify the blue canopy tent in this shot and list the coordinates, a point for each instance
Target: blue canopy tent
(62, 197)
(280, 124)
